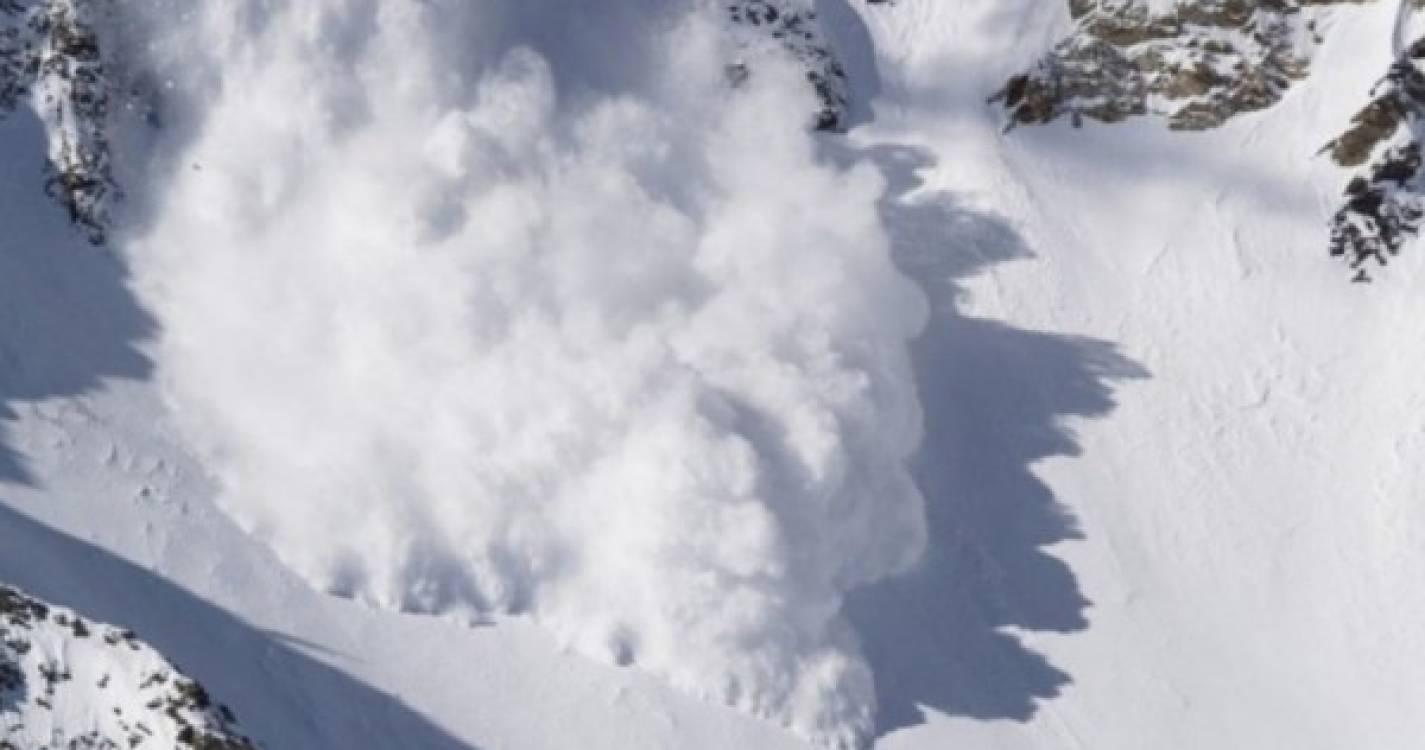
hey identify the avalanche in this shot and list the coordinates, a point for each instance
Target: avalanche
(484, 322)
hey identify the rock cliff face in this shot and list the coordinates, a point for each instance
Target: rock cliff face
(1196, 64)
(70, 684)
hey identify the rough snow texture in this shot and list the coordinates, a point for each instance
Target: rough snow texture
(469, 333)
(70, 684)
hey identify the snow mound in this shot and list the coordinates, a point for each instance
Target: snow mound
(475, 316)
(68, 683)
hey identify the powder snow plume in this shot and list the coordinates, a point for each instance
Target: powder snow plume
(479, 309)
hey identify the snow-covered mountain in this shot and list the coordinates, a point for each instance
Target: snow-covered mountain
(675, 374)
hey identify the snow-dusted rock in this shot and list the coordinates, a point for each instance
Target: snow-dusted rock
(51, 59)
(795, 26)
(1196, 63)
(1384, 202)
(70, 684)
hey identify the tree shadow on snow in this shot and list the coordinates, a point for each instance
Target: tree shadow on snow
(68, 323)
(994, 399)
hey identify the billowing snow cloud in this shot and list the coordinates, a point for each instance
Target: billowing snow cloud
(480, 310)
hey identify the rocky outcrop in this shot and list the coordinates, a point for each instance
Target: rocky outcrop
(51, 59)
(1383, 206)
(70, 684)
(793, 24)
(1199, 63)
(1196, 65)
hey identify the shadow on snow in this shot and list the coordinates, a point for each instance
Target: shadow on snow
(995, 398)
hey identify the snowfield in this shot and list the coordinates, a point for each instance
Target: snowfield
(620, 408)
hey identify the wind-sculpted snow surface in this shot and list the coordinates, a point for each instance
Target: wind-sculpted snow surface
(471, 321)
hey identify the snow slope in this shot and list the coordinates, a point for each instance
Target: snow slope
(1169, 459)
(1241, 529)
